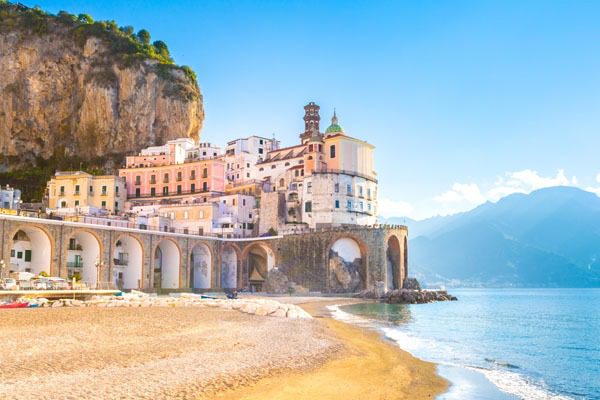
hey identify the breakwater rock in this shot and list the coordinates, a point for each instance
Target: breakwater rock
(261, 307)
(408, 296)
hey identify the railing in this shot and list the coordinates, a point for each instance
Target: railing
(158, 195)
(76, 247)
(123, 263)
(71, 264)
(345, 172)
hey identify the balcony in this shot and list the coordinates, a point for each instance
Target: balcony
(122, 262)
(75, 247)
(74, 264)
(104, 194)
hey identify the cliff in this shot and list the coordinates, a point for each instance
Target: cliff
(74, 90)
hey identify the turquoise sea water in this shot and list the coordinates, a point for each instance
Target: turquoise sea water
(529, 343)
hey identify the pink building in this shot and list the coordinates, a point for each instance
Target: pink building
(157, 181)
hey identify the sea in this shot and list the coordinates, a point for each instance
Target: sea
(496, 344)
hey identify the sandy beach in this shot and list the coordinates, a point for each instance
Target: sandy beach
(200, 353)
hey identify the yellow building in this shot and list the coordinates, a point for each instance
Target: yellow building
(71, 191)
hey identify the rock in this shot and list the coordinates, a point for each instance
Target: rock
(280, 313)
(101, 106)
(412, 284)
(344, 276)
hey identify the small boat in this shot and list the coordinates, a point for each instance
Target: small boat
(14, 304)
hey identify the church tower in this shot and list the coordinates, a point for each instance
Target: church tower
(311, 121)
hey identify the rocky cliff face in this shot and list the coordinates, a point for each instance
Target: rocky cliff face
(64, 93)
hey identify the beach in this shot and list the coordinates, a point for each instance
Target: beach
(201, 353)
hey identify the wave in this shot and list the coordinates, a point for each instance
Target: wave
(501, 375)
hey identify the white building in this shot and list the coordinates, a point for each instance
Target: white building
(242, 155)
(10, 198)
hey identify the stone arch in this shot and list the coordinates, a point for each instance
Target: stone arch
(84, 255)
(33, 243)
(167, 263)
(258, 259)
(230, 266)
(393, 263)
(128, 262)
(200, 266)
(347, 270)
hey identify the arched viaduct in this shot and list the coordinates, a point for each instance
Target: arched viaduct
(334, 260)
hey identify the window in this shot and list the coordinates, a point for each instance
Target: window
(247, 174)
(179, 177)
(369, 193)
(250, 215)
(193, 174)
(332, 151)
(360, 206)
(310, 147)
(261, 169)
(273, 166)
(19, 254)
(76, 189)
(205, 173)
(193, 187)
(233, 202)
(349, 189)
(165, 190)
(137, 192)
(152, 179)
(116, 206)
(296, 172)
(91, 189)
(260, 141)
(308, 206)
(62, 190)
(152, 192)
(104, 189)
(260, 151)
(349, 205)
(166, 178)
(369, 206)
(138, 180)
(12, 252)
(360, 191)
(204, 186)
(116, 189)
(63, 204)
(178, 189)
(337, 187)
(103, 203)
(281, 182)
(287, 164)
(337, 204)
(76, 203)
(27, 255)
(247, 165)
(309, 187)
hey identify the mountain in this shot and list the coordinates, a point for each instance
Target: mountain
(549, 238)
(77, 91)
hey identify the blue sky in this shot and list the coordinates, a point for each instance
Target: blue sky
(465, 101)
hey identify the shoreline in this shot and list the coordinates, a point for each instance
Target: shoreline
(368, 367)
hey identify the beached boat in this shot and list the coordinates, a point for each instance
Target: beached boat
(14, 304)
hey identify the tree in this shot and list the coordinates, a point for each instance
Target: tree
(66, 17)
(128, 30)
(144, 36)
(85, 19)
(162, 49)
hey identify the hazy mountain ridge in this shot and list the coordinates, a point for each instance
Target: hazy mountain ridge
(549, 238)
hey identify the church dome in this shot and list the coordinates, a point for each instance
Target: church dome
(334, 127)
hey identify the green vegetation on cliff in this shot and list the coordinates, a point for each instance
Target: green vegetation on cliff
(126, 46)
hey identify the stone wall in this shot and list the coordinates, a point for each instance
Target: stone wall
(307, 261)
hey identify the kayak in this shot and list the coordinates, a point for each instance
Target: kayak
(16, 304)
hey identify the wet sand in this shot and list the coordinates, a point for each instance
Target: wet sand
(201, 353)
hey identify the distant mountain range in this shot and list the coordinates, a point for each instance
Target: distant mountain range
(549, 238)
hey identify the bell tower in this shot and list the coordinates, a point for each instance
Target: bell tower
(311, 121)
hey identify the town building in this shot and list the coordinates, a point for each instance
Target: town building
(73, 192)
(241, 157)
(10, 198)
(151, 184)
(328, 180)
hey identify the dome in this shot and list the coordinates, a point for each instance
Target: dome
(334, 127)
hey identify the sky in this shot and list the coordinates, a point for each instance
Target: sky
(465, 101)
